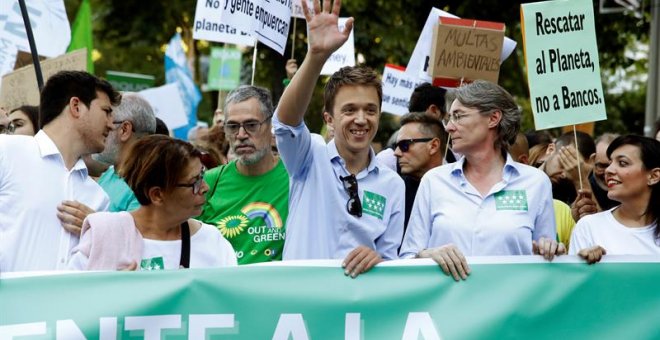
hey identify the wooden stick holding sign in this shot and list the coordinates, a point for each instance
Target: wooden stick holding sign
(254, 61)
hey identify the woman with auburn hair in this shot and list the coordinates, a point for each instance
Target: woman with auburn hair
(485, 204)
(167, 177)
(630, 228)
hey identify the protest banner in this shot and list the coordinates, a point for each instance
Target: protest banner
(167, 105)
(465, 50)
(49, 23)
(398, 86)
(208, 26)
(560, 47)
(520, 300)
(266, 20)
(133, 82)
(344, 56)
(419, 62)
(224, 69)
(20, 87)
(8, 49)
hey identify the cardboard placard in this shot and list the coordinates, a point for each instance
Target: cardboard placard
(20, 87)
(466, 50)
(561, 55)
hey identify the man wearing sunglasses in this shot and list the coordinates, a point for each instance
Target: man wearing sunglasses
(248, 198)
(421, 143)
(343, 203)
(133, 119)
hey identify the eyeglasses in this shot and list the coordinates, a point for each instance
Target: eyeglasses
(453, 118)
(250, 126)
(353, 205)
(404, 144)
(197, 185)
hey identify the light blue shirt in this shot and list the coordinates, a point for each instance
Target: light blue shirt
(121, 195)
(319, 225)
(448, 209)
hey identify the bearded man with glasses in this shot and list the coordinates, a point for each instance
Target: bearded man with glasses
(249, 197)
(344, 204)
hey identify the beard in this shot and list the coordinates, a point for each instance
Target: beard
(564, 191)
(252, 158)
(110, 152)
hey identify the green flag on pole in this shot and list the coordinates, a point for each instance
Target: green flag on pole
(81, 33)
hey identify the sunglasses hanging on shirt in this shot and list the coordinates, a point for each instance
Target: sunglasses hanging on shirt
(353, 205)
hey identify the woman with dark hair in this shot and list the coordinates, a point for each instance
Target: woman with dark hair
(25, 120)
(630, 228)
(485, 203)
(167, 177)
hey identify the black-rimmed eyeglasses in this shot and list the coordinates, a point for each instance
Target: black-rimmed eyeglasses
(250, 126)
(197, 185)
(353, 205)
(404, 144)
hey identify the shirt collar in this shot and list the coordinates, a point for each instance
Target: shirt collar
(335, 157)
(510, 170)
(48, 148)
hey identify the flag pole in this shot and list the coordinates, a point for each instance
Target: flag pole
(33, 46)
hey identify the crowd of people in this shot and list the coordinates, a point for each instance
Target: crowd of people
(89, 180)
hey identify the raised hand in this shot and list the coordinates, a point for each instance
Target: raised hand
(323, 33)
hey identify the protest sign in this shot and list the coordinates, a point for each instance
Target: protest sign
(8, 49)
(560, 47)
(133, 82)
(224, 69)
(398, 86)
(420, 58)
(466, 50)
(20, 87)
(167, 105)
(207, 26)
(537, 300)
(344, 56)
(267, 20)
(49, 23)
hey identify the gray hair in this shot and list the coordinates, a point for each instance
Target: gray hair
(246, 92)
(138, 111)
(488, 97)
(606, 138)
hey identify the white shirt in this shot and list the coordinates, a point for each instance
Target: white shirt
(602, 229)
(318, 225)
(448, 209)
(208, 249)
(33, 182)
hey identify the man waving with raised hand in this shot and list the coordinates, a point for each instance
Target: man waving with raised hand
(342, 203)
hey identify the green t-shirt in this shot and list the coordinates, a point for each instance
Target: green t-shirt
(250, 211)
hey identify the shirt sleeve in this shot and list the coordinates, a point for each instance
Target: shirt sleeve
(420, 223)
(580, 237)
(544, 223)
(294, 145)
(388, 243)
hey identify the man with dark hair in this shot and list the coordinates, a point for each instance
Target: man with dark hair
(597, 176)
(430, 99)
(419, 148)
(425, 98)
(248, 199)
(45, 191)
(343, 203)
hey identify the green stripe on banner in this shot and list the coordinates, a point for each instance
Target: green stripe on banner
(498, 301)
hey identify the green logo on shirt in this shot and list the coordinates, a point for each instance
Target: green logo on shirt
(374, 204)
(154, 263)
(511, 200)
